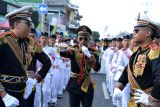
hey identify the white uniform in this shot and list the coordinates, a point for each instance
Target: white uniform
(109, 55)
(43, 89)
(67, 71)
(122, 62)
(62, 72)
(114, 70)
(103, 61)
(38, 94)
(46, 85)
(54, 71)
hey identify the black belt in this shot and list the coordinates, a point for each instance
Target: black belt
(12, 79)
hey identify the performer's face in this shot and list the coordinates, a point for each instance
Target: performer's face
(51, 41)
(43, 39)
(83, 40)
(126, 43)
(140, 34)
(60, 38)
(24, 28)
(119, 44)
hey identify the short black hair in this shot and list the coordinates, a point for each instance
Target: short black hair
(153, 32)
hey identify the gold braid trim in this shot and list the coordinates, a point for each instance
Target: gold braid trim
(85, 84)
(131, 79)
(37, 48)
(134, 84)
(15, 47)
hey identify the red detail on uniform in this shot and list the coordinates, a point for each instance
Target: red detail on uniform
(4, 34)
(154, 46)
(81, 68)
(13, 34)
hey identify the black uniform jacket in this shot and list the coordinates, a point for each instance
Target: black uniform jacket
(147, 74)
(13, 62)
(75, 55)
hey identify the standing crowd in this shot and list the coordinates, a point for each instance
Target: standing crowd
(35, 71)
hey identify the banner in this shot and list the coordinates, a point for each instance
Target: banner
(28, 1)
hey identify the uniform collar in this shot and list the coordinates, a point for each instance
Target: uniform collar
(14, 35)
(145, 47)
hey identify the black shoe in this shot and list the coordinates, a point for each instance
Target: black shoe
(59, 96)
(53, 104)
(49, 104)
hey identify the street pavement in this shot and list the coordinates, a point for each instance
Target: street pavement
(101, 95)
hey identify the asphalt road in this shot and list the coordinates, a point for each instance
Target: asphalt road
(101, 96)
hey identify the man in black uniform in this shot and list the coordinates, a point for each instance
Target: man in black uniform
(80, 85)
(18, 55)
(143, 71)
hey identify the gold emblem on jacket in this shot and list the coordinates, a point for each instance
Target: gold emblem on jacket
(140, 65)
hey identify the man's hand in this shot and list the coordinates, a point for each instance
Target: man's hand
(117, 94)
(29, 86)
(141, 97)
(10, 101)
(86, 51)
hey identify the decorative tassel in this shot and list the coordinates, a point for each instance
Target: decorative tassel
(81, 68)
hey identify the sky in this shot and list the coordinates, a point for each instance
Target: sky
(115, 16)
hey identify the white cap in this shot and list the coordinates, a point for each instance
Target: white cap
(23, 12)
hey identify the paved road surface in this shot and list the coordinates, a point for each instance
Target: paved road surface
(101, 96)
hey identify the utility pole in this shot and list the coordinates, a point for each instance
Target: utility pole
(43, 19)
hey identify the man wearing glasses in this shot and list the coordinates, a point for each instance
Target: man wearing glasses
(143, 70)
(80, 85)
(18, 55)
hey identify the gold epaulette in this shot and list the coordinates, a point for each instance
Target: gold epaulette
(95, 52)
(134, 49)
(62, 47)
(37, 48)
(74, 48)
(3, 35)
(154, 52)
(31, 41)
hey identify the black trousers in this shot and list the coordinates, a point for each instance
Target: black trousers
(85, 99)
(30, 100)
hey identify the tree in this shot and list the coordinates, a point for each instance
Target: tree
(95, 36)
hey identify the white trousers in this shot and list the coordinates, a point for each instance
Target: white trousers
(125, 95)
(61, 81)
(46, 90)
(38, 96)
(54, 87)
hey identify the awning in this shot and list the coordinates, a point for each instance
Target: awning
(4, 24)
